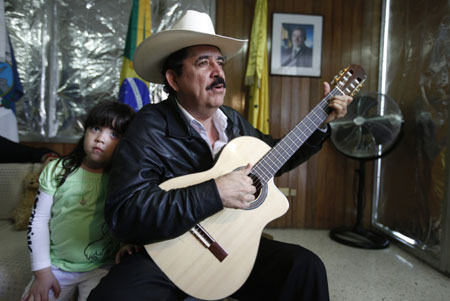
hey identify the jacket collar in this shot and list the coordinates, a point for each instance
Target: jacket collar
(177, 125)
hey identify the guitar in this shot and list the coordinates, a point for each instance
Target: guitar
(214, 259)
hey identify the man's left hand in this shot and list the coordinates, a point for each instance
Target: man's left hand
(338, 104)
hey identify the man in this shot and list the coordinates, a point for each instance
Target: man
(183, 135)
(298, 55)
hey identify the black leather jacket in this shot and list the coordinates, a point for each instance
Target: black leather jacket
(159, 145)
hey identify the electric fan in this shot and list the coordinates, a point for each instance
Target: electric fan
(370, 129)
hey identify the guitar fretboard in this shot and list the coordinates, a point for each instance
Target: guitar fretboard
(267, 167)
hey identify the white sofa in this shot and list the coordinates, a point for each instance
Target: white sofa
(14, 257)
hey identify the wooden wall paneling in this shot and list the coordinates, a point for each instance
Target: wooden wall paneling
(288, 7)
(318, 209)
(346, 46)
(330, 179)
(234, 18)
(275, 108)
(327, 39)
(356, 38)
(312, 191)
(367, 53)
(335, 34)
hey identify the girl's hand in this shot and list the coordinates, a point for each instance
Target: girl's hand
(127, 249)
(43, 282)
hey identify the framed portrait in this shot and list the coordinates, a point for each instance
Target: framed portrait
(296, 45)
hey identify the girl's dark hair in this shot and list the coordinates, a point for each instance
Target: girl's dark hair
(173, 62)
(111, 114)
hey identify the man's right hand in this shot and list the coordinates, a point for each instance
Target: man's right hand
(236, 188)
(44, 280)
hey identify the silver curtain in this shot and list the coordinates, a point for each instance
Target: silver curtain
(69, 57)
(412, 183)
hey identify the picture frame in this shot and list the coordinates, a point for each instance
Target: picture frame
(288, 31)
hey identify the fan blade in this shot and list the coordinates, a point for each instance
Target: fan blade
(364, 105)
(353, 140)
(381, 129)
(352, 108)
(343, 132)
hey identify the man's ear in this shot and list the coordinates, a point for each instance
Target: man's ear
(171, 78)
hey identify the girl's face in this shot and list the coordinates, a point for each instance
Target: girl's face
(99, 145)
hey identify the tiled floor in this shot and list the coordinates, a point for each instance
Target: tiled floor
(358, 274)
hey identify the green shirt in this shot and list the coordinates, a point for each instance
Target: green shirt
(80, 239)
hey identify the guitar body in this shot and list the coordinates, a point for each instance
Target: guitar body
(192, 266)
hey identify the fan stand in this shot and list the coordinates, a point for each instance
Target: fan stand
(357, 236)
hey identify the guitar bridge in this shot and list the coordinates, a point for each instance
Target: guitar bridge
(208, 241)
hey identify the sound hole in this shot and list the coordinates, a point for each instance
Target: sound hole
(260, 194)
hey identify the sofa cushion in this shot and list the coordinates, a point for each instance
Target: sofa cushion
(11, 185)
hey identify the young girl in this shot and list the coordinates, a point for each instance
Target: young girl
(68, 239)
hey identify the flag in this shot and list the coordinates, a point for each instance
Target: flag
(257, 73)
(139, 28)
(11, 89)
(10, 86)
(134, 92)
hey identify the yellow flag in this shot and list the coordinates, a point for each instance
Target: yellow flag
(139, 28)
(257, 74)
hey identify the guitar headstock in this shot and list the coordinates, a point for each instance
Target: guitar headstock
(350, 80)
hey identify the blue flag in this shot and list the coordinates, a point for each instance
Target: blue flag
(11, 89)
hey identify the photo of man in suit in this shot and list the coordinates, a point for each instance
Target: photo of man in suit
(296, 53)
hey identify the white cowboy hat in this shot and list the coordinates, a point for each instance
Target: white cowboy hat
(194, 28)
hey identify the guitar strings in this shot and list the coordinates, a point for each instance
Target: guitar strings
(259, 171)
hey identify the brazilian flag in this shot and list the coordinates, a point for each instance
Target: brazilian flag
(139, 28)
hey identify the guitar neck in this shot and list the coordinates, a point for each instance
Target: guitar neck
(267, 167)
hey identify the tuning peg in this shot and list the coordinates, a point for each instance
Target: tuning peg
(337, 77)
(357, 89)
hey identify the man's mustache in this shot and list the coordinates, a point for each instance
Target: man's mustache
(218, 81)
